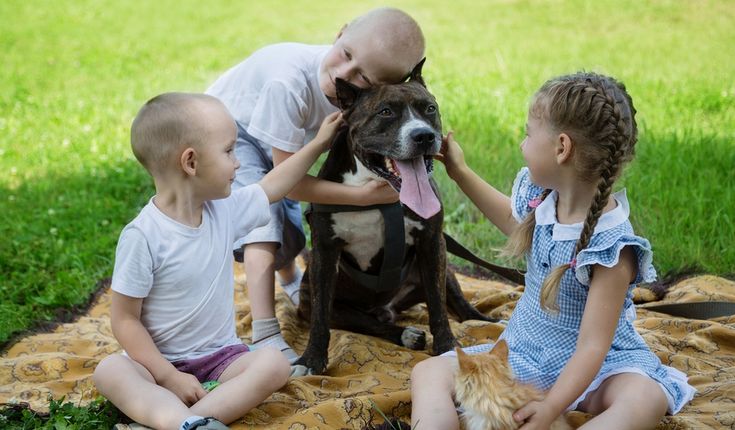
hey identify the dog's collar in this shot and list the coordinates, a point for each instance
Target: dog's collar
(392, 271)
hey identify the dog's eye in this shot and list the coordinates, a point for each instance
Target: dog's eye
(430, 109)
(385, 112)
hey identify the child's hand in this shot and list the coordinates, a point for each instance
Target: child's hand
(377, 193)
(451, 155)
(328, 130)
(185, 386)
(535, 415)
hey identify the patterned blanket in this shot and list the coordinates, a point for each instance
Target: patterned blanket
(368, 377)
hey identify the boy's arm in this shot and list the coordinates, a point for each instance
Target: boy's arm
(316, 190)
(290, 171)
(491, 202)
(284, 176)
(138, 344)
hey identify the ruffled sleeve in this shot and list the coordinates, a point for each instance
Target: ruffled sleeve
(605, 250)
(523, 192)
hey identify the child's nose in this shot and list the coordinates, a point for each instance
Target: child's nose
(346, 72)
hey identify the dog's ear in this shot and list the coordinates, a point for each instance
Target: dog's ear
(416, 73)
(346, 93)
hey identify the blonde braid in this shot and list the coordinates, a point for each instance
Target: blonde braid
(519, 242)
(603, 113)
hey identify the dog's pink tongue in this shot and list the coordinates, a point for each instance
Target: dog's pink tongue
(416, 192)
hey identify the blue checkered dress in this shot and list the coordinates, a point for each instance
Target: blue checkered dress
(541, 343)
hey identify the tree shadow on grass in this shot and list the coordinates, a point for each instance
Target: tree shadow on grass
(58, 243)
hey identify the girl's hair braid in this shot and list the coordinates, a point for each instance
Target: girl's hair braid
(598, 114)
(519, 242)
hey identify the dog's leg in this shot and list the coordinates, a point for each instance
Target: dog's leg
(352, 319)
(322, 277)
(432, 260)
(458, 304)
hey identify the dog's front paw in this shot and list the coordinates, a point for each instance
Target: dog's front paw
(299, 370)
(305, 366)
(413, 338)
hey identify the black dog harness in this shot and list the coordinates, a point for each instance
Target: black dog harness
(393, 271)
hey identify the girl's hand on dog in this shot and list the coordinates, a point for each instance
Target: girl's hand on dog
(451, 155)
(328, 130)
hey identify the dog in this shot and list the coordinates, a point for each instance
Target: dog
(391, 134)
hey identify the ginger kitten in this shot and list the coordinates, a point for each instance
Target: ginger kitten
(488, 392)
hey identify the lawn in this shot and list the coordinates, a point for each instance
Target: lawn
(75, 73)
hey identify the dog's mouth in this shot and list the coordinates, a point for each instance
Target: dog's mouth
(411, 179)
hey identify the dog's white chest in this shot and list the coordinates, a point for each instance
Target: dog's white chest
(364, 231)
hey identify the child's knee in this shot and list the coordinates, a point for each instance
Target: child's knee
(649, 393)
(274, 364)
(434, 370)
(106, 370)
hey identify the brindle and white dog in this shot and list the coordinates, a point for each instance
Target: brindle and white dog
(392, 133)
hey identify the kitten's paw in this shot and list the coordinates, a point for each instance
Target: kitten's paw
(413, 338)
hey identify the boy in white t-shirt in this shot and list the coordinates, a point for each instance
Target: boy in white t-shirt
(279, 96)
(172, 300)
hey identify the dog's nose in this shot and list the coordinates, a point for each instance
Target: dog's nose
(423, 137)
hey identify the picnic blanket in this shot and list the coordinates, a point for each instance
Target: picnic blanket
(368, 377)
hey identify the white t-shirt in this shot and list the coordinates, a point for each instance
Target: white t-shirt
(275, 94)
(185, 274)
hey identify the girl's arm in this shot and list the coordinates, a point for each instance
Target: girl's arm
(605, 300)
(491, 202)
(138, 344)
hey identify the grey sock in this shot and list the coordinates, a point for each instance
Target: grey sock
(267, 332)
(292, 288)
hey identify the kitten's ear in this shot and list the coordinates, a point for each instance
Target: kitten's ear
(500, 349)
(464, 363)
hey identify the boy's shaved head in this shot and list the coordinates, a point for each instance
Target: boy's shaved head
(165, 125)
(394, 32)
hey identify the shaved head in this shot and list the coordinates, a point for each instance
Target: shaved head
(394, 32)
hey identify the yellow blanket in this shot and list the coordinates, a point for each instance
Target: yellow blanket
(365, 370)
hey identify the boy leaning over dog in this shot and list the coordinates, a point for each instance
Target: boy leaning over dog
(279, 96)
(172, 286)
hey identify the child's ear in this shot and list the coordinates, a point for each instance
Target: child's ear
(415, 75)
(188, 161)
(564, 148)
(347, 93)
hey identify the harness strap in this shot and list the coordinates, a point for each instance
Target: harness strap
(694, 310)
(392, 271)
(514, 275)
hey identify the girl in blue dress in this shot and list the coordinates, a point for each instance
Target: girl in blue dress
(572, 331)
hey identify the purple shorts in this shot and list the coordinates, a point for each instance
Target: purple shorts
(210, 367)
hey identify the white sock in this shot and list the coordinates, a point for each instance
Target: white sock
(267, 332)
(189, 421)
(292, 288)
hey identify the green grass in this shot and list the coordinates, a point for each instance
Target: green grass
(98, 414)
(74, 74)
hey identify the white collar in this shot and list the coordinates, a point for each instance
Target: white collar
(546, 214)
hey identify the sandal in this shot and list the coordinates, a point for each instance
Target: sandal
(209, 423)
